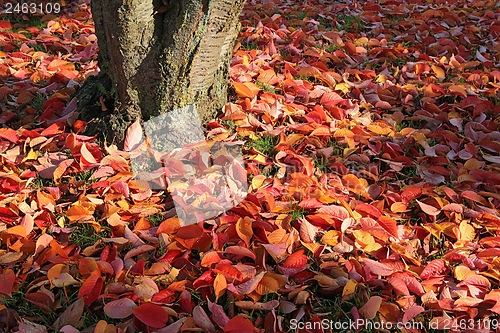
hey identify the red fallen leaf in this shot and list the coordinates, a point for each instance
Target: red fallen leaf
(399, 286)
(165, 296)
(412, 313)
(336, 212)
(91, 288)
(9, 134)
(369, 209)
(370, 309)
(411, 193)
(434, 268)
(151, 315)
(230, 272)
(241, 251)
(218, 314)
(201, 319)
(7, 215)
(389, 225)
(7, 279)
(134, 136)
(5, 25)
(247, 287)
(296, 260)
(413, 285)
(310, 203)
(239, 324)
(87, 157)
(474, 197)
(477, 280)
(378, 268)
(321, 220)
(188, 235)
(41, 300)
(307, 231)
(138, 268)
(209, 259)
(120, 308)
(428, 209)
(331, 98)
(268, 76)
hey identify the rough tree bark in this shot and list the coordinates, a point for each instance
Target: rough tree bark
(158, 55)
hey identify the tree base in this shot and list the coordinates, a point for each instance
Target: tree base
(107, 124)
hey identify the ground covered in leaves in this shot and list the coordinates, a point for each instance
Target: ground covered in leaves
(371, 142)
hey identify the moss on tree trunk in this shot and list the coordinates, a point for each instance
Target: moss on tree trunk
(158, 55)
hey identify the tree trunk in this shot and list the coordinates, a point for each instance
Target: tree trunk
(156, 56)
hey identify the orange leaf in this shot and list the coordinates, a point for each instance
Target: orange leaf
(220, 285)
(169, 226)
(244, 229)
(246, 89)
(389, 225)
(76, 213)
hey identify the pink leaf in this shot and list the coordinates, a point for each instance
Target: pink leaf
(134, 136)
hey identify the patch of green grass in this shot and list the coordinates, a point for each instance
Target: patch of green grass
(40, 182)
(267, 88)
(495, 99)
(334, 47)
(320, 164)
(26, 309)
(85, 235)
(38, 101)
(450, 99)
(19, 24)
(249, 46)
(397, 18)
(265, 145)
(297, 212)
(229, 123)
(338, 149)
(350, 22)
(155, 219)
(311, 79)
(269, 170)
(404, 124)
(84, 176)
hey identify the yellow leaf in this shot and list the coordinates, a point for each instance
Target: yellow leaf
(31, 156)
(439, 72)
(220, 285)
(349, 288)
